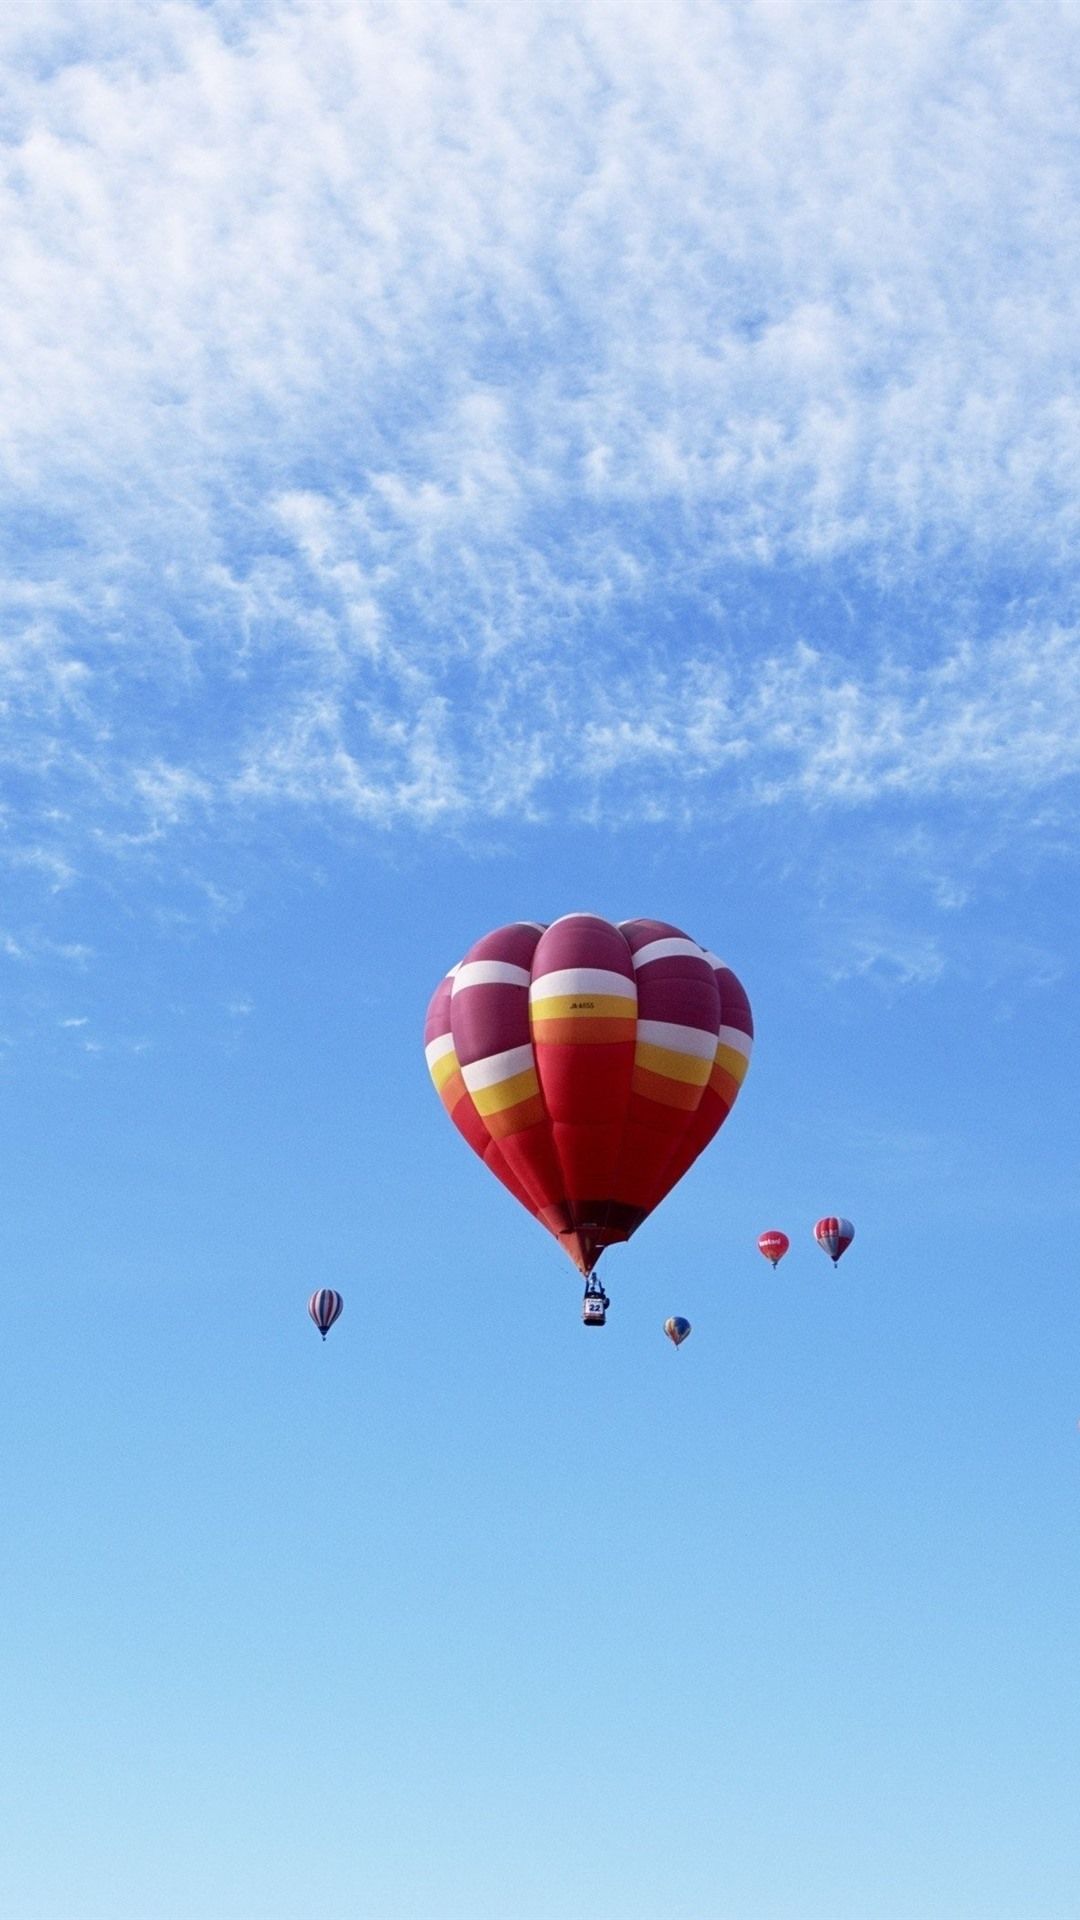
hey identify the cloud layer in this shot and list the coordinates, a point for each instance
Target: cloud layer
(431, 415)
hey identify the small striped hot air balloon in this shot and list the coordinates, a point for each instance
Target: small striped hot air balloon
(325, 1307)
(677, 1329)
(588, 1064)
(773, 1245)
(834, 1236)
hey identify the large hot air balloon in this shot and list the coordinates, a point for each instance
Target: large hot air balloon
(773, 1245)
(325, 1307)
(677, 1329)
(834, 1236)
(588, 1064)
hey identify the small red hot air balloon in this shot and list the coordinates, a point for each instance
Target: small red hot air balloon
(773, 1245)
(325, 1307)
(834, 1236)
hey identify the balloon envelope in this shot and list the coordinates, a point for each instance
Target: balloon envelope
(325, 1307)
(677, 1329)
(834, 1236)
(588, 1064)
(773, 1244)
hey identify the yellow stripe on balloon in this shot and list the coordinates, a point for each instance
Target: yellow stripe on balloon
(443, 1068)
(677, 1066)
(733, 1063)
(507, 1093)
(584, 1006)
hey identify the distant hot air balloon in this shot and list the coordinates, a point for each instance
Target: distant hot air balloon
(834, 1236)
(325, 1307)
(773, 1245)
(677, 1329)
(588, 1064)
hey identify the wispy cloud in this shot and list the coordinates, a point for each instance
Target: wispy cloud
(985, 718)
(426, 416)
(34, 945)
(891, 958)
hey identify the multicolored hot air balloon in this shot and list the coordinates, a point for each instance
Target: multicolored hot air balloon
(588, 1064)
(677, 1329)
(773, 1245)
(834, 1236)
(325, 1307)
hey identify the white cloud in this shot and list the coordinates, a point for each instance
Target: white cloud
(892, 958)
(426, 415)
(803, 725)
(32, 945)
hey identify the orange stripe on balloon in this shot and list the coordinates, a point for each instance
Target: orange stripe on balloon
(667, 1092)
(527, 1113)
(452, 1090)
(580, 1028)
(724, 1085)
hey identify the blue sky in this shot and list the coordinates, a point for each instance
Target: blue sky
(472, 463)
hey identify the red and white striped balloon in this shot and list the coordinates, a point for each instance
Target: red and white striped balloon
(325, 1307)
(834, 1236)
